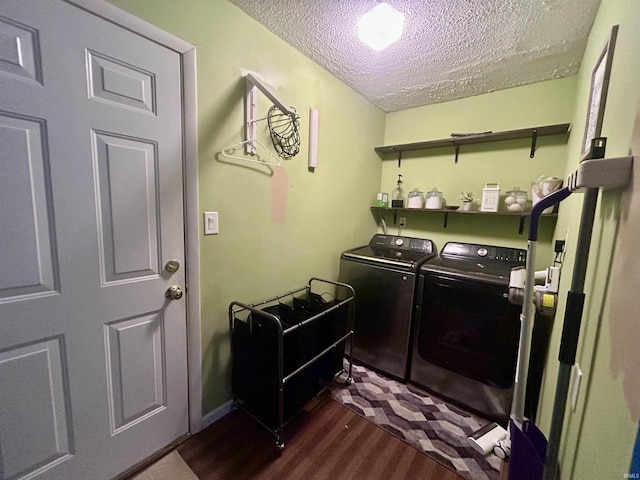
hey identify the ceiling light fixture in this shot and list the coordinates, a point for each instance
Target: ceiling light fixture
(381, 26)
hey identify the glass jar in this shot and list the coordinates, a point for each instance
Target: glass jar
(397, 197)
(416, 199)
(434, 199)
(516, 200)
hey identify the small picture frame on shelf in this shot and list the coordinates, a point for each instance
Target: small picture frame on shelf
(598, 94)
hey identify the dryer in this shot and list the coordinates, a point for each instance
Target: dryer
(466, 332)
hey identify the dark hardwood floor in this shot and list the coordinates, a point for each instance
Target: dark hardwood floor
(326, 441)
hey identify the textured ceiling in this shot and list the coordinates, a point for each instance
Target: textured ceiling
(450, 48)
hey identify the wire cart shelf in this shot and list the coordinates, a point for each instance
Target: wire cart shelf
(288, 349)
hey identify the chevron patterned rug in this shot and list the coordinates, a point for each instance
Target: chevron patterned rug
(429, 424)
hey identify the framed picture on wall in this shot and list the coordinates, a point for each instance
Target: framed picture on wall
(598, 93)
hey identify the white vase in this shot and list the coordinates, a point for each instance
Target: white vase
(467, 206)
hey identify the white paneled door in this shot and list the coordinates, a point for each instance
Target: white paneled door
(93, 368)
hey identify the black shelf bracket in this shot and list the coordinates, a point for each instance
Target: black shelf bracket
(521, 227)
(534, 139)
(382, 214)
(457, 147)
(399, 155)
(446, 219)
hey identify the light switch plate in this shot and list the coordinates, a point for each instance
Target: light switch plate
(211, 223)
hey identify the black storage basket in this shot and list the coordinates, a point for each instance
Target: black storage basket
(255, 363)
(319, 334)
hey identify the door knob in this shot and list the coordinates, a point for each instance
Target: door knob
(174, 292)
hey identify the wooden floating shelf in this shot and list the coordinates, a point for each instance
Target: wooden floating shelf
(533, 133)
(481, 138)
(466, 212)
(523, 215)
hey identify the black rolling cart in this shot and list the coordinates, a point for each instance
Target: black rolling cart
(287, 349)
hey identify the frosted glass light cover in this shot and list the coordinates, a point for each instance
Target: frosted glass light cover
(381, 26)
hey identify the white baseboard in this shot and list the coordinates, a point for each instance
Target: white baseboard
(215, 415)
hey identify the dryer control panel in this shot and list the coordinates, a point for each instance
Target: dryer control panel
(485, 252)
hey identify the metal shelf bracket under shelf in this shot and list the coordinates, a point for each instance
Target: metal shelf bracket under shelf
(520, 227)
(462, 139)
(379, 212)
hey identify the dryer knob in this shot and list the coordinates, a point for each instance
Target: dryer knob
(482, 252)
(399, 241)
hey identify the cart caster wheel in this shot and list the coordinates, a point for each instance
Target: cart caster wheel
(279, 446)
(348, 381)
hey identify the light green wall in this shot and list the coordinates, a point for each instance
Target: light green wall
(599, 436)
(507, 163)
(255, 257)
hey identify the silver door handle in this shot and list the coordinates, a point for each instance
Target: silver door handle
(174, 292)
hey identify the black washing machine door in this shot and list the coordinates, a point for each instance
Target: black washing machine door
(468, 327)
